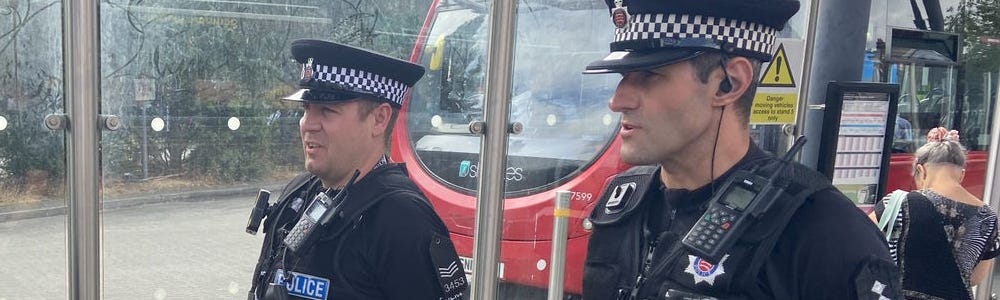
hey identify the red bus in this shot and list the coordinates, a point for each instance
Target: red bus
(569, 141)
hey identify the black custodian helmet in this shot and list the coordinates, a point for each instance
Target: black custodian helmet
(337, 72)
(654, 33)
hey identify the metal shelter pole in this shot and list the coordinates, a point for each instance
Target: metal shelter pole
(493, 148)
(990, 193)
(81, 68)
(807, 62)
(837, 55)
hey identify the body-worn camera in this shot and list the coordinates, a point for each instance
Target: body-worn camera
(316, 216)
(259, 211)
(745, 196)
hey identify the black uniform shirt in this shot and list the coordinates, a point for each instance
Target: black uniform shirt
(386, 253)
(829, 250)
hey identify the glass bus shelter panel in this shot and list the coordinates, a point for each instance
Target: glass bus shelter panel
(197, 86)
(980, 73)
(980, 100)
(772, 137)
(566, 120)
(927, 100)
(968, 107)
(33, 199)
(567, 128)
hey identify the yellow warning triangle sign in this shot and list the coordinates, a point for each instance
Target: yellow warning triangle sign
(778, 72)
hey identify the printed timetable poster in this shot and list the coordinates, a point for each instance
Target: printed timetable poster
(855, 139)
(860, 144)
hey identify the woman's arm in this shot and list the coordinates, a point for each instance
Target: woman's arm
(982, 268)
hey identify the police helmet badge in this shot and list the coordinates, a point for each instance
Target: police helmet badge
(619, 15)
(307, 70)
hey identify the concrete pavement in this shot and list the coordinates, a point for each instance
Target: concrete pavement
(166, 250)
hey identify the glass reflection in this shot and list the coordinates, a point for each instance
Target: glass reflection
(32, 158)
(563, 111)
(206, 77)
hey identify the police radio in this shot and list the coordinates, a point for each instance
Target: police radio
(745, 196)
(316, 216)
(258, 212)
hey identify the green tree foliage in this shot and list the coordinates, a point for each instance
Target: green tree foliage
(973, 20)
(207, 62)
(27, 147)
(30, 89)
(976, 21)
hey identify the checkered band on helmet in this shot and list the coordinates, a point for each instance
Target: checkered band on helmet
(360, 81)
(757, 39)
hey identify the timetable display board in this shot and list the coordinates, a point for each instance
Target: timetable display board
(856, 140)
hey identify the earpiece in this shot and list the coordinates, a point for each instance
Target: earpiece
(726, 86)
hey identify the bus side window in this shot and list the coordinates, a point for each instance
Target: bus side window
(903, 136)
(975, 119)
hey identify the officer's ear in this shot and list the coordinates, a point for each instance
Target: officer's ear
(380, 117)
(739, 75)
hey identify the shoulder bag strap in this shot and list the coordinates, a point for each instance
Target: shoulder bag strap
(887, 220)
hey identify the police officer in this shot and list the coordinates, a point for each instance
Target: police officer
(384, 241)
(689, 72)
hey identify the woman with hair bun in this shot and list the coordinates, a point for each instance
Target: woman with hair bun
(944, 238)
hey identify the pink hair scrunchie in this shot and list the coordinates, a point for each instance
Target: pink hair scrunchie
(942, 134)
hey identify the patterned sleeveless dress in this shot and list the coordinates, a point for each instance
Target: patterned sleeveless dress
(970, 230)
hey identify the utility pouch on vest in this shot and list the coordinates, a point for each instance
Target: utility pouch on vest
(276, 292)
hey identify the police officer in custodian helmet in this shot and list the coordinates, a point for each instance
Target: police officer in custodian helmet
(355, 226)
(707, 213)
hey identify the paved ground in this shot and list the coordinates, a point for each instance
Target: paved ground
(172, 250)
(190, 246)
(192, 249)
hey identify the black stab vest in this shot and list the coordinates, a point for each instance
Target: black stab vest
(616, 249)
(381, 183)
